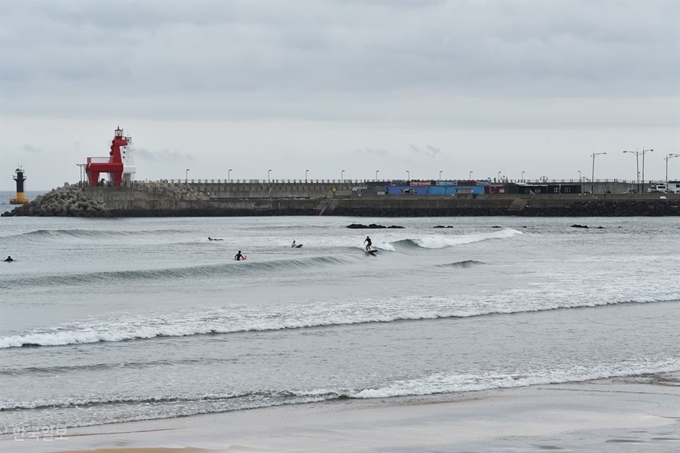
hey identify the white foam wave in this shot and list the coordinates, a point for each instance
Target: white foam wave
(241, 318)
(438, 241)
(450, 383)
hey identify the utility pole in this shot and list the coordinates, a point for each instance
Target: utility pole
(643, 152)
(637, 168)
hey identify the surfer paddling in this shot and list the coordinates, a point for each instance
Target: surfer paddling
(8, 259)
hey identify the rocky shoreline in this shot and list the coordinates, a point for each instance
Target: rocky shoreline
(66, 201)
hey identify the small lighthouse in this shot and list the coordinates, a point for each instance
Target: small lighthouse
(19, 178)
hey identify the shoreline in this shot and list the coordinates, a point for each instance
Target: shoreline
(637, 413)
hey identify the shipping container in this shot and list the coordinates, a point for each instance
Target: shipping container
(406, 190)
(441, 190)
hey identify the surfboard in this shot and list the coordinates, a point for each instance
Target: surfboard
(245, 257)
(298, 246)
(371, 252)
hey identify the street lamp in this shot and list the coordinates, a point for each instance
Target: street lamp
(668, 156)
(342, 175)
(229, 175)
(470, 175)
(440, 175)
(592, 179)
(643, 152)
(499, 176)
(522, 175)
(306, 171)
(376, 174)
(637, 167)
(579, 176)
(186, 176)
(408, 175)
(269, 172)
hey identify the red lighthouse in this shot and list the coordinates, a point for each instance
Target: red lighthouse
(113, 165)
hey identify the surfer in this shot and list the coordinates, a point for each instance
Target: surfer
(214, 239)
(368, 243)
(293, 245)
(8, 259)
(239, 257)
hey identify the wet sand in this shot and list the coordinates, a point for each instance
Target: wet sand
(609, 415)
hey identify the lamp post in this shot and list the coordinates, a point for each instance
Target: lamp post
(306, 171)
(668, 156)
(269, 172)
(499, 176)
(342, 175)
(637, 167)
(376, 174)
(470, 175)
(440, 175)
(579, 176)
(592, 179)
(408, 175)
(643, 152)
(186, 176)
(522, 175)
(229, 175)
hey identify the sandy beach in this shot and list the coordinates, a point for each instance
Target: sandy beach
(624, 414)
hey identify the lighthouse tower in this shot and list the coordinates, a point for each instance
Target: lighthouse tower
(113, 165)
(19, 178)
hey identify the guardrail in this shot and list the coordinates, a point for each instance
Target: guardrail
(387, 181)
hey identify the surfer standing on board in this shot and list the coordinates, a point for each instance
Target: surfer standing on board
(368, 243)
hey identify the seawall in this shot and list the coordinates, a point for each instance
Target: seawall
(177, 200)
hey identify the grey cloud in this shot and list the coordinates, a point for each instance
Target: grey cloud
(530, 48)
(432, 151)
(31, 149)
(164, 155)
(374, 151)
(429, 151)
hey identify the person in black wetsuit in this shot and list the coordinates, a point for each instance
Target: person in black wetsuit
(368, 243)
(8, 259)
(239, 257)
(294, 244)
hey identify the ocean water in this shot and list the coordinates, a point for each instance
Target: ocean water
(111, 320)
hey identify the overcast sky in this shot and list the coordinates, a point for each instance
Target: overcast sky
(400, 87)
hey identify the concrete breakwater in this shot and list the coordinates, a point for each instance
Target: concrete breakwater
(178, 200)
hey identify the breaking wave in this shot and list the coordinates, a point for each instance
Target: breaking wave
(442, 241)
(112, 410)
(466, 263)
(244, 318)
(204, 271)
